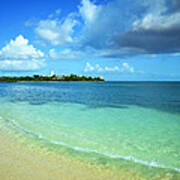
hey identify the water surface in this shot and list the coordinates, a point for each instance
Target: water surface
(137, 121)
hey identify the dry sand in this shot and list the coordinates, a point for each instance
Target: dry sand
(19, 161)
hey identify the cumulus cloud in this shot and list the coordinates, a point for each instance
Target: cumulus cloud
(117, 28)
(97, 25)
(89, 11)
(20, 49)
(106, 21)
(18, 54)
(157, 31)
(157, 22)
(88, 67)
(153, 28)
(57, 32)
(125, 67)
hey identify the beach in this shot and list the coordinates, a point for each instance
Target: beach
(29, 162)
(22, 161)
(80, 131)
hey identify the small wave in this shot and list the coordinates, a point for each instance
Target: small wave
(129, 158)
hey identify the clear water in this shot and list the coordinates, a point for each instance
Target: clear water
(138, 121)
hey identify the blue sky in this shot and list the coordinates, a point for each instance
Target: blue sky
(117, 39)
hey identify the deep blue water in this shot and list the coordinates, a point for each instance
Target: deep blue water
(160, 95)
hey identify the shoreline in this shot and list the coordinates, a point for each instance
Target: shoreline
(24, 161)
(23, 158)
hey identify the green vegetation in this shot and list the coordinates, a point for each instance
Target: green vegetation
(38, 78)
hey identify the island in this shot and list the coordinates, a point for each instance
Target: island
(44, 78)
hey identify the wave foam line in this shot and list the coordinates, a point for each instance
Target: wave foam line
(129, 158)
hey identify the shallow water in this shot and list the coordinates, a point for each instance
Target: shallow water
(137, 121)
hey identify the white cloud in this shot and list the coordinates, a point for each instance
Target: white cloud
(57, 32)
(115, 28)
(16, 65)
(112, 69)
(20, 49)
(18, 54)
(157, 17)
(98, 27)
(157, 22)
(66, 54)
(157, 7)
(88, 67)
(127, 67)
(98, 69)
(98, 23)
(89, 11)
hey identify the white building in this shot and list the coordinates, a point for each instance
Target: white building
(101, 77)
(52, 73)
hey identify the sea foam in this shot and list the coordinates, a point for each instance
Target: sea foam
(110, 155)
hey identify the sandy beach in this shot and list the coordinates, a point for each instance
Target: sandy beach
(19, 161)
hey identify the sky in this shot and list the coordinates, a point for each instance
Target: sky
(121, 40)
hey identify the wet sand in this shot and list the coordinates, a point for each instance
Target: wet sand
(19, 161)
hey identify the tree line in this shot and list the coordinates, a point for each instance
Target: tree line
(39, 78)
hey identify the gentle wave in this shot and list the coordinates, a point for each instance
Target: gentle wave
(129, 158)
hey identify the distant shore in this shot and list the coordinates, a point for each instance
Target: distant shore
(52, 78)
(45, 81)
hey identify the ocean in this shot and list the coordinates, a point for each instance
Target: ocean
(135, 122)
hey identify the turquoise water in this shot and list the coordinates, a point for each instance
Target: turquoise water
(139, 122)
